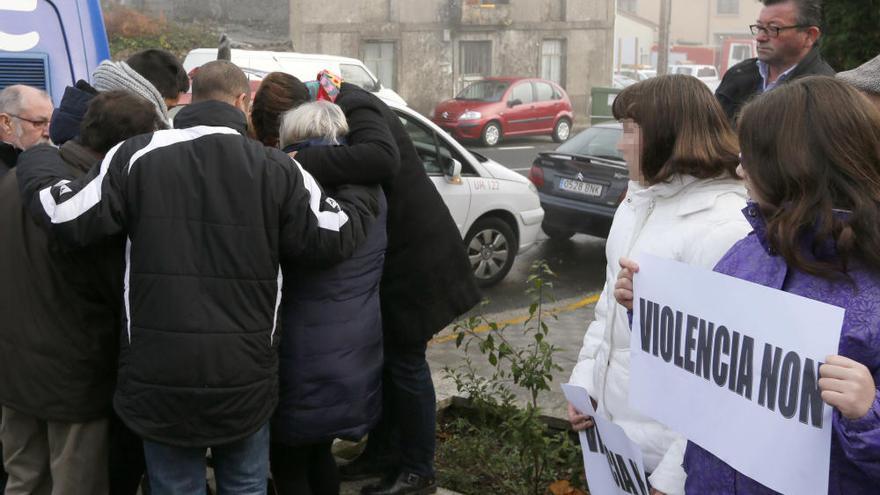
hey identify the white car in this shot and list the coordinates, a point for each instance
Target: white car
(497, 210)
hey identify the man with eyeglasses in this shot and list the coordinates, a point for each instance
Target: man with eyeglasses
(787, 34)
(24, 122)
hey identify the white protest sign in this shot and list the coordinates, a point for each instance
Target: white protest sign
(612, 462)
(734, 367)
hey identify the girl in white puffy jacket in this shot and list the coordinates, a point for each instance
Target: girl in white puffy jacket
(684, 203)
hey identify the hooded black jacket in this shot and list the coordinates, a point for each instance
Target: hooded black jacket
(743, 81)
(208, 216)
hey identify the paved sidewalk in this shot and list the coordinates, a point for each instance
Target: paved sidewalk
(566, 332)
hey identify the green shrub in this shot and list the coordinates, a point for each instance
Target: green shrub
(502, 447)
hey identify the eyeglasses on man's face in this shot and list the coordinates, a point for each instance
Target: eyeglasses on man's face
(35, 123)
(772, 31)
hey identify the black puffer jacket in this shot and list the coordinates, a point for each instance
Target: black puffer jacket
(59, 333)
(743, 81)
(427, 280)
(208, 214)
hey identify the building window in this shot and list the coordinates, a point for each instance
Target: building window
(379, 58)
(476, 58)
(728, 7)
(630, 6)
(552, 52)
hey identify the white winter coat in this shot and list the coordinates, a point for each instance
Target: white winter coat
(691, 220)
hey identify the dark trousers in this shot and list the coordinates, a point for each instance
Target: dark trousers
(304, 469)
(127, 465)
(2, 472)
(405, 433)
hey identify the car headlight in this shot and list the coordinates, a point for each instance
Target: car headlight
(471, 115)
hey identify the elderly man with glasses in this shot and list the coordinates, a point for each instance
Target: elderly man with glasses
(787, 34)
(24, 122)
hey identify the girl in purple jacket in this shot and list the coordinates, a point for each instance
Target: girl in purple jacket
(811, 162)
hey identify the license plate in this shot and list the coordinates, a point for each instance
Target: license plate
(579, 187)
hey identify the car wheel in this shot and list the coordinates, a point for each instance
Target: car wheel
(556, 233)
(561, 130)
(491, 134)
(491, 248)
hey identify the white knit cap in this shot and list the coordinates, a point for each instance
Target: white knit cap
(111, 76)
(865, 77)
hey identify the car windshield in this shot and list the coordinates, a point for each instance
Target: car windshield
(484, 91)
(600, 142)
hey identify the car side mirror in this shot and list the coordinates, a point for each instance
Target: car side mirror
(453, 173)
(513, 103)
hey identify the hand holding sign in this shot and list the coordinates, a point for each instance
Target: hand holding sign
(613, 463)
(623, 288)
(579, 422)
(742, 380)
(847, 385)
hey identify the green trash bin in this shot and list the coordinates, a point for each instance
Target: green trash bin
(600, 104)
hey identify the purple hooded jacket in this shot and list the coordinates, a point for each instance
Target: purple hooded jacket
(855, 444)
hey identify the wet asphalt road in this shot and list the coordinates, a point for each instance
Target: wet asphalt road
(579, 263)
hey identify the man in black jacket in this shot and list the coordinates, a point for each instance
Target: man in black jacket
(426, 283)
(207, 216)
(60, 334)
(24, 122)
(787, 33)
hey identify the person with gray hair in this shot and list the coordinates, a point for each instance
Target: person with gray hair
(318, 122)
(24, 122)
(330, 359)
(865, 78)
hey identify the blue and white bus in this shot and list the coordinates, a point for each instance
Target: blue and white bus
(50, 44)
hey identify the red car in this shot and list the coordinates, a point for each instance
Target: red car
(499, 107)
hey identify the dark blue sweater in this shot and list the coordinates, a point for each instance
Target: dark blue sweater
(330, 368)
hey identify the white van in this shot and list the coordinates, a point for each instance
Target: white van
(706, 73)
(305, 66)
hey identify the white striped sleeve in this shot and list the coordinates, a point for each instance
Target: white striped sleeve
(332, 219)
